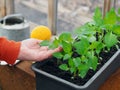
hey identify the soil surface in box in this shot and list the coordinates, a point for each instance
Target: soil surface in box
(51, 67)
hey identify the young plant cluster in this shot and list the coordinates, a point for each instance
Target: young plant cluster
(83, 52)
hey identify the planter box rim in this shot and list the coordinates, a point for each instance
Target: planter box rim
(72, 84)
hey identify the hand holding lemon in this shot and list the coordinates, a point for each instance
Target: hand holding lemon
(41, 33)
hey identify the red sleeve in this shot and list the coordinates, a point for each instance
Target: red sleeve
(9, 50)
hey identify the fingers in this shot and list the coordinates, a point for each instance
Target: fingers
(50, 52)
(57, 49)
(46, 53)
(38, 41)
(44, 48)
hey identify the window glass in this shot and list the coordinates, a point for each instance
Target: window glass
(33, 10)
(74, 13)
(71, 13)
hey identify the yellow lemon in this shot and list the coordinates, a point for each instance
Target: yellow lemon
(41, 33)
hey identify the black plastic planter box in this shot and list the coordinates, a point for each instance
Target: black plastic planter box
(46, 81)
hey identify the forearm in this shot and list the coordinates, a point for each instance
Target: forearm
(9, 50)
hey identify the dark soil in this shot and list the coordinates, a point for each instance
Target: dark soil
(51, 67)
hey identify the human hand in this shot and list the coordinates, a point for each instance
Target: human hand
(31, 50)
